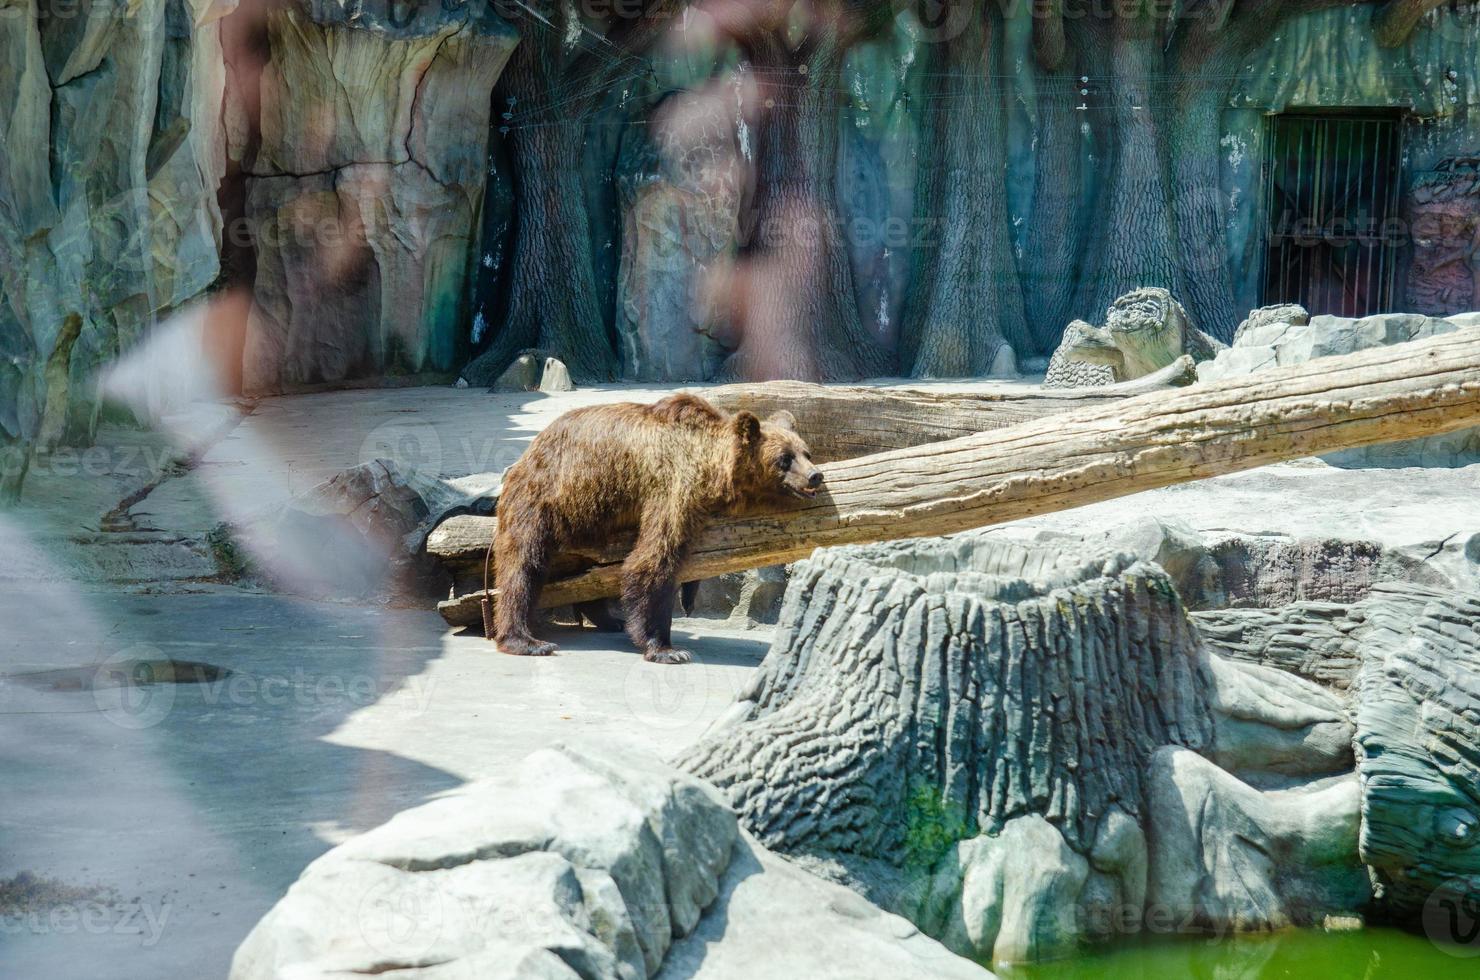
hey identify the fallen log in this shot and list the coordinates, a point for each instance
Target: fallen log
(845, 422)
(1154, 440)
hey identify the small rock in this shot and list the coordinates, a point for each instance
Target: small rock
(1004, 363)
(1268, 316)
(522, 375)
(555, 377)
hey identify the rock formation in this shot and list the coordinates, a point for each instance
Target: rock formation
(1145, 330)
(1444, 208)
(1284, 335)
(577, 866)
(359, 535)
(364, 193)
(113, 147)
(680, 194)
(1418, 709)
(363, 143)
(1013, 744)
(1065, 372)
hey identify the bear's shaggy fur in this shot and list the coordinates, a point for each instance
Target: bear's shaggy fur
(663, 470)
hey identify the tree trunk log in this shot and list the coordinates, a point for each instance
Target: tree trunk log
(1134, 245)
(966, 301)
(844, 423)
(1055, 235)
(1155, 440)
(795, 303)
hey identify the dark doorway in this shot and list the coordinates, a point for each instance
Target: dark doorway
(1331, 196)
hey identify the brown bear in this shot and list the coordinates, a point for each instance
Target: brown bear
(663, 470)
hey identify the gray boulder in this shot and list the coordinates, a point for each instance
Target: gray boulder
(745, 599)
(555, 377)
(573, 866)
(578, 865)
(772, 919)
(361, 534)
(1226, 856)
(533, 371)
(1284, 336)
(522, 374)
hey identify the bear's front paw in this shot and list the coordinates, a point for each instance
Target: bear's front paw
(527, 648)
(667, 655)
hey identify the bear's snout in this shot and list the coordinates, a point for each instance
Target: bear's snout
(815, 480)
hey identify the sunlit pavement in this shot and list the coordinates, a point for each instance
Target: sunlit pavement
(154, 823)
(182, 811)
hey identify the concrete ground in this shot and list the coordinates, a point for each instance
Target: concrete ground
(146, 827)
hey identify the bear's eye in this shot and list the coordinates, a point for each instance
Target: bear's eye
(785, 461)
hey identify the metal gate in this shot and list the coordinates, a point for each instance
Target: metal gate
(1331, 196)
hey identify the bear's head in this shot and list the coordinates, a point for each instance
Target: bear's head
(771, 459)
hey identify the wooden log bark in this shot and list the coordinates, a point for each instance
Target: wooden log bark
(845, 422)
(1408, 391)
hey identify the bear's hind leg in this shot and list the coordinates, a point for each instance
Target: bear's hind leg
(649, 583)
(522, 556)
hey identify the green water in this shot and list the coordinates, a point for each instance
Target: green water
(1366, 954)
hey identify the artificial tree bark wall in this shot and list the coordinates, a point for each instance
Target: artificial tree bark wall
(1135, 158)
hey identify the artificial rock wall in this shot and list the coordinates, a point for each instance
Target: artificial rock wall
(110, 118)
(350, 139)
(365, 186)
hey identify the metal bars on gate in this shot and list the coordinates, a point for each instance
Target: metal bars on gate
(1331, 185)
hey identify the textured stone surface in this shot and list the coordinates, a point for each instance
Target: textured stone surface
(1225, 855)
(578, 865)
(1279, 318)
(1063, 372)
(358, 535)
(680, 195)
(365, 191)
(1224, 570)
(1011, 745)
(773, 919)
(1444, 207)
(1145, 330)
(1309, 639)
(939, 719)
(112, 151)
(940, 678)
(1282, 336)
(1005, 895)
(747, 599)
(1418, 710)
(573, 866)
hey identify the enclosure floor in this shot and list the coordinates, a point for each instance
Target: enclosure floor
(186, 812)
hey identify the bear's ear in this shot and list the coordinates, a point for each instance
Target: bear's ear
(783, 419)
(747, 429)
